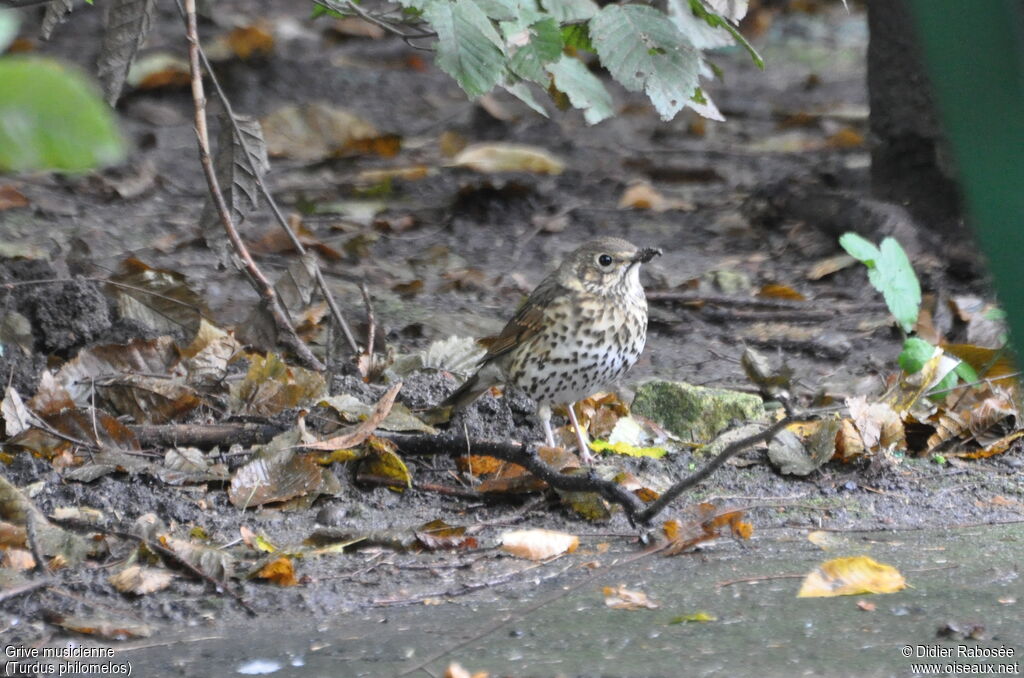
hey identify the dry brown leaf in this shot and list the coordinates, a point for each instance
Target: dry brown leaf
(281, 571)
(11, 197)
(643, 196)
(845, 139)
(777, 291)
(538, 544)
(830, 265)
(621, 598)
(250, 41)
(18, 560)
(438, 534)
(361, 432)
(878, 424)
(851, 577)
(315, 131)
(140, 580)
(271, 386)
(504, 157)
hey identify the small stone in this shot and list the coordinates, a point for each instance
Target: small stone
(695, 413)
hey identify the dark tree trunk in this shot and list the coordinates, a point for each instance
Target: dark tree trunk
(907, 159)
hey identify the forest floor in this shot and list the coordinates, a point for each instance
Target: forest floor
(446, 251)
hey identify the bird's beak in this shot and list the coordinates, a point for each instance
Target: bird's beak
(645, 255)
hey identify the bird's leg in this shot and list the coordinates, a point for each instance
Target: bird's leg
(544, 412)
(581, 438)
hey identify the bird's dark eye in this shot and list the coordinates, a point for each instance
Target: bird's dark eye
(605, 260)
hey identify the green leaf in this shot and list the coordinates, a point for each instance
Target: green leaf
(696, 29)
(499, 10)
(320, 10)
(715, 21)
(916, 352)
(567, 11)
(860, 249)
(890, 272)
(521, 91)
(577, 36)
(645, 52)
(966, 373)
(544, 46)
(52, 118)
(584, 89)
(468, 47)
(898, 283)
(941, 389)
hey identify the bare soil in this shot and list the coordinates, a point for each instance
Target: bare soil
(768, 202)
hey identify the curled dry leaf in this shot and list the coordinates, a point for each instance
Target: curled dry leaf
(271, 386)
(140, 580)
(851, 577)
(361, 432)
(503, 157)
(438, 534)
(157, 298)
(538, 544)
(318, 131)
(381, 461)
(642, 196)
(621, 598)
(105, 628)
(280, 570)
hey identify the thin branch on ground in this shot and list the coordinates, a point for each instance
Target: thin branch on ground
(286, 332)
(318, 275)
(730, 451)
(27, 587)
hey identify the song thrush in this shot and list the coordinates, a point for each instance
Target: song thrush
(579, 330)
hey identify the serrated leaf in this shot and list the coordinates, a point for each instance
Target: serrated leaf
(56, 13)
(468, 47)
(715, 20)
(698, 31)
(565, 11)
(52, 118)
(645, 52)
(157, 298)
(521, 91)
(584, 89)
(544, 45)
(499, 10)
(128, 22)
(239, 169)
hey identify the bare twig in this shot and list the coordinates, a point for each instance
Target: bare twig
(25, 588)
(278, 216)
(32, 537)
(286, 332)
(376, 20)
(730, 450)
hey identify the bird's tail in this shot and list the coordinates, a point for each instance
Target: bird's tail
(470, 390)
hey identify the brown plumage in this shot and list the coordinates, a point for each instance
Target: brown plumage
(579, 330)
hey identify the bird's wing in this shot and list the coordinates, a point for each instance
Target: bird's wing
(527, 322)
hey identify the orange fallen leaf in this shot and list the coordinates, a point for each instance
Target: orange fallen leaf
(280, 571)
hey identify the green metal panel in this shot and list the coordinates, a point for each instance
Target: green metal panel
(974, 52)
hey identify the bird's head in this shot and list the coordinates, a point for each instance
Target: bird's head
(606, 266)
